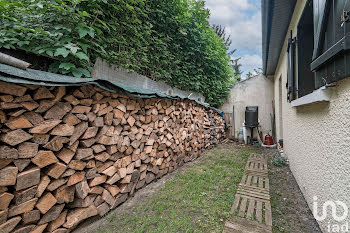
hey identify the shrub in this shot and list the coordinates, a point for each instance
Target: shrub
(164, 40)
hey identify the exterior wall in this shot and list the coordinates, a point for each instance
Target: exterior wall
(316, 139)
(103, 70)
(256, 91)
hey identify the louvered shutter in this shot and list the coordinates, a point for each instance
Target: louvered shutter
(305, 47)
(320, 15)
(332, 41)
(291, 68)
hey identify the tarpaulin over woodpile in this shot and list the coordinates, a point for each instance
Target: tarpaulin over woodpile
(36, 77)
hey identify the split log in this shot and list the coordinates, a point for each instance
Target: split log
(67, 151)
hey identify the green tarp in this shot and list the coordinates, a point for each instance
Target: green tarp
(42, 78)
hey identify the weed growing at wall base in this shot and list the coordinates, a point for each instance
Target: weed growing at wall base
(279, 161)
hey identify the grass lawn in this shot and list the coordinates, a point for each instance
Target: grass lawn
(197, 199)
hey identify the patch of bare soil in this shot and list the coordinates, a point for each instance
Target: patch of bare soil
(290, 212)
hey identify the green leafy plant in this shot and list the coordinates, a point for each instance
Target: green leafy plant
(164, 40)
(279, 161)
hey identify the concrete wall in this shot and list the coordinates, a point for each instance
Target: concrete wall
(103, 70)
(255, 91)
(316, 139)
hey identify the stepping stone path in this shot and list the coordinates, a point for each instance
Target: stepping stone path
(252, 207)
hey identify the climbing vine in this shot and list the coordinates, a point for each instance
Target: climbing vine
(164, 40)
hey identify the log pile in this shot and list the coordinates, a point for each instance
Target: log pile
(70, 153)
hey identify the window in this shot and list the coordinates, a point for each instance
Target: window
(331, 57)
(320, 54)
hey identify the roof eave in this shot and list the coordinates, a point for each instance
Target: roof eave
(276, 16)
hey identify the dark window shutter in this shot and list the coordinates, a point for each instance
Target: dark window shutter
(332, 41)
(291, 68)
(320, 14)
(305, 49)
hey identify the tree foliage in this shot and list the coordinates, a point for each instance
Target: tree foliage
(236, 66)
(221, 32)
(165, 40)
(250, 74)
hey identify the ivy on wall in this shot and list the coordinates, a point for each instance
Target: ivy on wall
(164, 40)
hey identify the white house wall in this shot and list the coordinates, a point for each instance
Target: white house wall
(317, 140)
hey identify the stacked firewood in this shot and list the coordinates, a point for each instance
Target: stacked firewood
(70, 153)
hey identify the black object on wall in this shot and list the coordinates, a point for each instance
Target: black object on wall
(291, 47)
(251, 116)
(305, 48)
